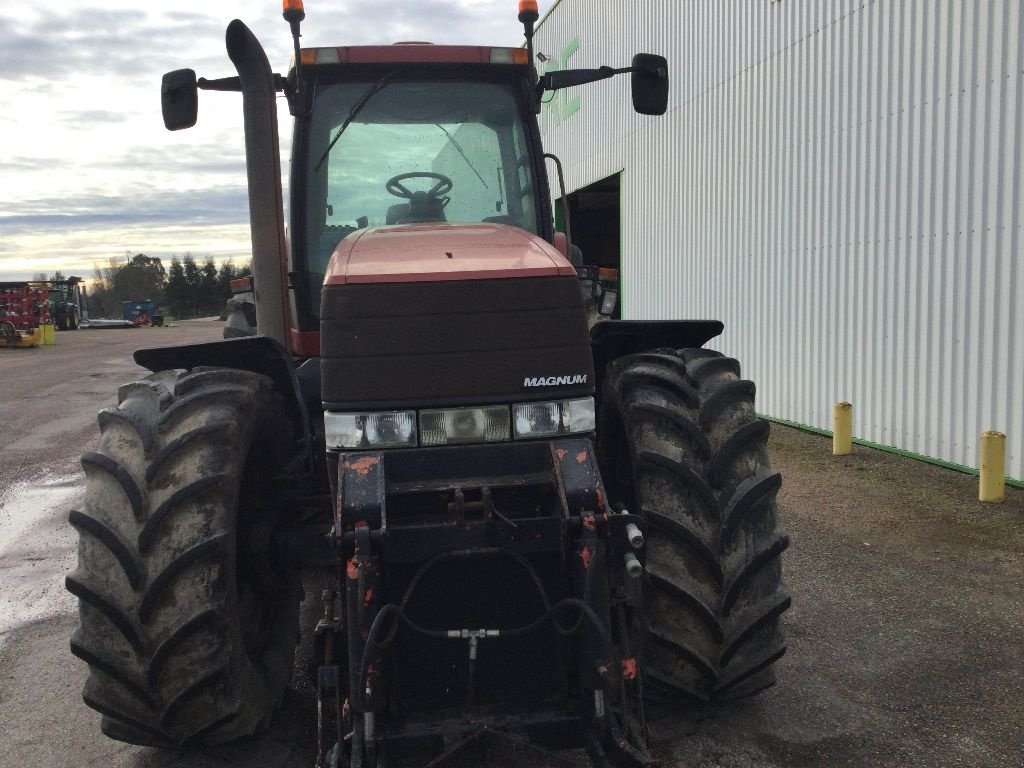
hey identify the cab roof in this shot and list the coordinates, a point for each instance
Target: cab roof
(412, 53)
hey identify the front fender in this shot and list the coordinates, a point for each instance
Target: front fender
(611, 339)
(260, 354)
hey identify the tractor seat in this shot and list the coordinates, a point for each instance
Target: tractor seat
(421, 207)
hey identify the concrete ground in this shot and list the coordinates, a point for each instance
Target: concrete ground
(904, 636)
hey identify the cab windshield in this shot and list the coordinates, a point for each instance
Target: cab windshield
(389, 151)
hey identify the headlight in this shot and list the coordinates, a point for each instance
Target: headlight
(453, 426)
(384, 429)
(562, 417)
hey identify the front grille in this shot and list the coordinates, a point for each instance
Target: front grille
(388, 345)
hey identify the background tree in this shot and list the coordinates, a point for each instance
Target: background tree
(188, 289)
(176, 290)
(225, 275)
(141, 278)
(102, 301)
(210, 300)
(192, 279)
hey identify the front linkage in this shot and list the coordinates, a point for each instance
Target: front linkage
(520, 590)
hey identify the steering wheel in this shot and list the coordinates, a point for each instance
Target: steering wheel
(442, 187)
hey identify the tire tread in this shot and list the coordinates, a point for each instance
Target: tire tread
(701, 478)
(161, 499)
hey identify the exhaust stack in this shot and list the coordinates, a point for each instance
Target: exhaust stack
(263, 167)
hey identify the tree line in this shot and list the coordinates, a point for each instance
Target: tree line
(185, 289)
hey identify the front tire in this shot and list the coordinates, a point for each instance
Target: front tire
(188, 629)
(683, 447)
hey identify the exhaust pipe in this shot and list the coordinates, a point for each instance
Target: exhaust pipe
(263, 167)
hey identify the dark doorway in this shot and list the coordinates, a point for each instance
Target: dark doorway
(594, 214)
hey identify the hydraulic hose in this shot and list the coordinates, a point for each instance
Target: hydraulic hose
(375, 644)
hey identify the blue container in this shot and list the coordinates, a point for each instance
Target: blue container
(130, 310)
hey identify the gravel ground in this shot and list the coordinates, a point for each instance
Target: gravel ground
(905, 632)
(904, 636)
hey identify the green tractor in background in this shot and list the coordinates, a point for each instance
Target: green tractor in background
(67, 302)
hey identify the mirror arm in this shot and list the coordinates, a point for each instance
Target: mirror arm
(220, 84)
(574, 77)
(233, 84)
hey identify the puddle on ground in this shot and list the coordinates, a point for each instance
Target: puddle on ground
(36, 549)
(28, 504)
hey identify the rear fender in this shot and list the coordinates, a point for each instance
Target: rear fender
(259, 354)
(612, 339)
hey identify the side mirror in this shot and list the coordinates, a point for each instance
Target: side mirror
(650, 84)
(179, 99)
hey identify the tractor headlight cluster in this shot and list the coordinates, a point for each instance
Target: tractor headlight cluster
(382, 429)
(452, 426)
(562, 417)
(458, 426)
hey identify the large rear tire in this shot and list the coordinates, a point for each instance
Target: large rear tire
(188, 628)
(682, 446)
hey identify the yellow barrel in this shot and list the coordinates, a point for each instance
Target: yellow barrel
(32, 339)
(842, 429)
(47, 333)
(992, 483)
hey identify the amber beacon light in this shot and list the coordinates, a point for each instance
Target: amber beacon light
(293, 10)
(528, 11)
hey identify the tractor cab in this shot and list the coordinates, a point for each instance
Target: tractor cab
(409, 134)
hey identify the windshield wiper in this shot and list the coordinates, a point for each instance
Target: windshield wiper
(462, 152)
(368, 94)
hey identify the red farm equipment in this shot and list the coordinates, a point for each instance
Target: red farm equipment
(530, 523)
(24, 310)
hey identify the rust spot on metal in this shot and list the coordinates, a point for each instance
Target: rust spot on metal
(629, 669)
(585, 556)
(368, 597)
(589, 523)
(561, 453)
(363, 465)
(352, 569)
(581, 457)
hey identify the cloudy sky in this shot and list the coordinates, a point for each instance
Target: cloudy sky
(87, 170)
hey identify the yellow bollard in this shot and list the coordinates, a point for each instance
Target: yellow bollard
(842, 429)
(992, 483)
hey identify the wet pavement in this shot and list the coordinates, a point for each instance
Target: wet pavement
(36, 550)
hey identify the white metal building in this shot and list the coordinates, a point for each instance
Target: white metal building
(839, 181)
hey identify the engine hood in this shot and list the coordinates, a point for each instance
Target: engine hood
(411, 253)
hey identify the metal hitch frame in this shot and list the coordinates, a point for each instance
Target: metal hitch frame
(407, 509)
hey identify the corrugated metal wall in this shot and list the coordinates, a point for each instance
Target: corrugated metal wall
(840, 182)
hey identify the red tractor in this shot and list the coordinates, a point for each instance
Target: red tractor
(529, 525)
